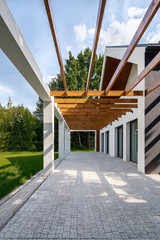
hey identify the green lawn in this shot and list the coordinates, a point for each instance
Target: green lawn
(17, 167)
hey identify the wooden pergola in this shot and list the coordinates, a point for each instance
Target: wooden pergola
(85, 111)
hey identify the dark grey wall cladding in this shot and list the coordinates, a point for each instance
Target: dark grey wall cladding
(152, 117)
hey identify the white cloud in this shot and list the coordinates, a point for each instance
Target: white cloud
(91, 32)
(69, 48)
(81, 32)
(5, 90)
(49, 78)
(119, 33)
(134, 12)
(154, 36)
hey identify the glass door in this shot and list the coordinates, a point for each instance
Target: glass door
(120, 142)
(133, 141)
(107, 142)
(102, 141)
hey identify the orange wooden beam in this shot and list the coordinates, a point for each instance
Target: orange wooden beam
(99, 100)
(153, 8)
(49, 11)
(96, 106)
(95, 111)
(102, 4)
(94, 93)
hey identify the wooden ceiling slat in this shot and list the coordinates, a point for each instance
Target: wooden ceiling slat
(51, 20)
(102, 4)
(145, 72)
(109, 115)
(96, 106)
(94, 93)
(153, 8)
(101, 100)
(114, 111)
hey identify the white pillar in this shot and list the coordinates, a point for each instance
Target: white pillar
(112, 142)
(61, 138)
(125, 142)
(105, 142)
(67, 141)
(141, 134)
(48, 135)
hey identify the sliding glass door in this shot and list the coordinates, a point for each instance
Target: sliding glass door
(102, 142)
(107, 142)
(120, 142)
(133, 141)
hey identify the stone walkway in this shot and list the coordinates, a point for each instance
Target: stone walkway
(90, 196)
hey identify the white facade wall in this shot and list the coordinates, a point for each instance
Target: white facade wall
(137, 59)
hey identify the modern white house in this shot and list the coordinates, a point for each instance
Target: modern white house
(134, 136)
(128, 131)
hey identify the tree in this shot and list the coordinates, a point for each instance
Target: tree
(76, 70)
(76, 73)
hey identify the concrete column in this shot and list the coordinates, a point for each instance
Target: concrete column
(105, 143)
(61, 138)
(48, 135)
(125, 142)
(67, 141)
(141, 135)
(112, 142)
(128, 141)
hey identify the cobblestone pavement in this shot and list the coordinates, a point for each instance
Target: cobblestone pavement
(90, 196)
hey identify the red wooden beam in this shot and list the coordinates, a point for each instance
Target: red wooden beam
(96, 38)
(153, 8)
(50, 15)
(145, 72)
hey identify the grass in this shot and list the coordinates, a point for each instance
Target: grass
(17, 167)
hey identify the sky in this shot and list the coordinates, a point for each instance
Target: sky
(75, 23)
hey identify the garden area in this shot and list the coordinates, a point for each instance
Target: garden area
(18, 167)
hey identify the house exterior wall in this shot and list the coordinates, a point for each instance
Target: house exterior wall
(138, 61)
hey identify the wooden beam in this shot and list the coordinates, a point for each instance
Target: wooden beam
(92, 114)
(91, 119)
(96, 106)
(94, 93)
(99, 100)
(102, 4)
(153, 8)
(94, 126)
(153, 87)
(82, 117)
(89, 127)
(49, 11)
(145, 72)
(95, 111)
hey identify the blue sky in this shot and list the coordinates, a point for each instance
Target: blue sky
(75, 23)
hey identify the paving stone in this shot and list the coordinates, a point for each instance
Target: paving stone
(90, 196)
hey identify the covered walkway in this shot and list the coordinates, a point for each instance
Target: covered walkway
(90, 196)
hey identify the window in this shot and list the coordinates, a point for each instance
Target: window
(120, 142)
(102, 142)
(133, 141)
(107, 142)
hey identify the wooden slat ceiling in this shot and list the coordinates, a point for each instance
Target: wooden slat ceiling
(84, 111)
